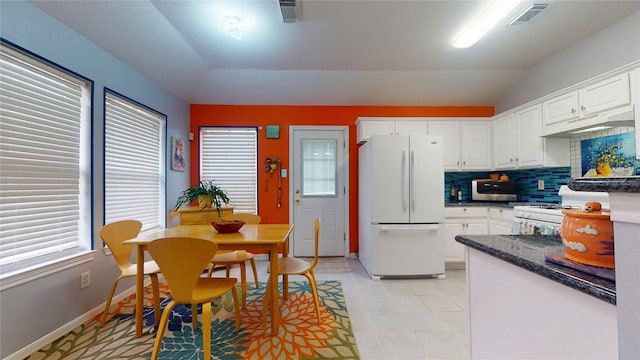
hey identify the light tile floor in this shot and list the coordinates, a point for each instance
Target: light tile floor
(400, 318)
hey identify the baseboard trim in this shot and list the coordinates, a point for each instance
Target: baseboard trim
(68, 327)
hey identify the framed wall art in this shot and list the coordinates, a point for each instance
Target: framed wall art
(609, 156)
(177, 154)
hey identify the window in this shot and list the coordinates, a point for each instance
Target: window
(319, 168)
(228, 155)
(134, 165)
(45, 163)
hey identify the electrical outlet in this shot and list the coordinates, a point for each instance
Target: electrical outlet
(85, 279)
(540, 184)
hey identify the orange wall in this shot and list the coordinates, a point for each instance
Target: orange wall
(285, 116)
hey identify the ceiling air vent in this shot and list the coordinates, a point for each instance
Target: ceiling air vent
(289, 9)
(527, 14)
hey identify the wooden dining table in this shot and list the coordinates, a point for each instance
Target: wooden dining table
(250, 237)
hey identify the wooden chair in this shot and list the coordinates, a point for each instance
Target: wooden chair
(113, 235)
(295, 266)
(181, 260)
(239, 257)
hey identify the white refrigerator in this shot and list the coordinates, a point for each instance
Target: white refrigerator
(401, 206)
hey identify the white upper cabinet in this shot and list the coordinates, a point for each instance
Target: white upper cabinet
(517, 142)
(368, 126)
(467, 143)
(475, 150)
(578, 108)
(604, 95)
(530, 146)
(504, 143)
(450, 132)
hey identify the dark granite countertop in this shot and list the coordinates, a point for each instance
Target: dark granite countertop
(629, 184)
(528, 252)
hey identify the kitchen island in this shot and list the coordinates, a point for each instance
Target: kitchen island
(624, 198)
(522, 306)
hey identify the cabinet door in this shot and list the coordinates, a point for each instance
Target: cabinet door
(374, 127)
(454, 251)
(450, 132)
(476, 226)
(500, 228)
(415, 127)
(475, 139)
(503, 142)
(605, 95)
(529, 143)
(558, 111)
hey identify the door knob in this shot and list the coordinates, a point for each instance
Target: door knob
(297, 191)
(297, 200)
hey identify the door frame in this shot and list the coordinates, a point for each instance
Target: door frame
(345, 174)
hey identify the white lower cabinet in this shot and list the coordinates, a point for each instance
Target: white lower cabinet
(500, 220)
(461, 221)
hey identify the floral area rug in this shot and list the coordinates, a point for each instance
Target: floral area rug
(300, 336)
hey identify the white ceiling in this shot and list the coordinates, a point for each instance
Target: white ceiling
(341, 52)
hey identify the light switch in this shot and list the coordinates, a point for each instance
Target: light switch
(540, 184)
(283, 173)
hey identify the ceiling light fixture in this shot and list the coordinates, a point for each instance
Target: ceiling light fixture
(231, 26)
(484, 21)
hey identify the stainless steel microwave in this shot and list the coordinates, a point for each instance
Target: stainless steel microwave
(490, 190)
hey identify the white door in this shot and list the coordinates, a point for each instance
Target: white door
(319, 176)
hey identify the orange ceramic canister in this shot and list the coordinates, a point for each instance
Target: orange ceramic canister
(588, 237)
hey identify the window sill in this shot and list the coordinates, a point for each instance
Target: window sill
(13, 278)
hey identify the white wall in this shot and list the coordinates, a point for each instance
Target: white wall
(37, 308)
(613, 47)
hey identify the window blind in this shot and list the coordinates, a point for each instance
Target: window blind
(44, 162)
(134, 165)
(228, 155)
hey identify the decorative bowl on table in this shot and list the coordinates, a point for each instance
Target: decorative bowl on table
(227, 226)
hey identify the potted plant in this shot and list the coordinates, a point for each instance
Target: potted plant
(207, 193)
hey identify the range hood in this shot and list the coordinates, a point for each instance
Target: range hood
(622, 116)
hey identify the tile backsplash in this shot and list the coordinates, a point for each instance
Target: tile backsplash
(527, 181)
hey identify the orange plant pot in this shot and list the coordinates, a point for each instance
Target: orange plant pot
(588, 237)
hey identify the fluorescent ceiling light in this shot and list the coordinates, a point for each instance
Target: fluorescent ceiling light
(484, 21)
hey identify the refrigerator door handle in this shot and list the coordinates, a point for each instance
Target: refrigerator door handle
(416, 227)
(411, 180)
(404, 166)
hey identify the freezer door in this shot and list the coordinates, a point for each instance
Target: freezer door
(389, 192)
(407, 250)
(426, 179)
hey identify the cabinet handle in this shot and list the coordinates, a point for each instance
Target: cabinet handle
(573, 111)
(464, 163)
(458, 162)
(517, 159)
(583, 108)
(510, 160)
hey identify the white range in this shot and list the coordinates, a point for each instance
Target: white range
(546, 219)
